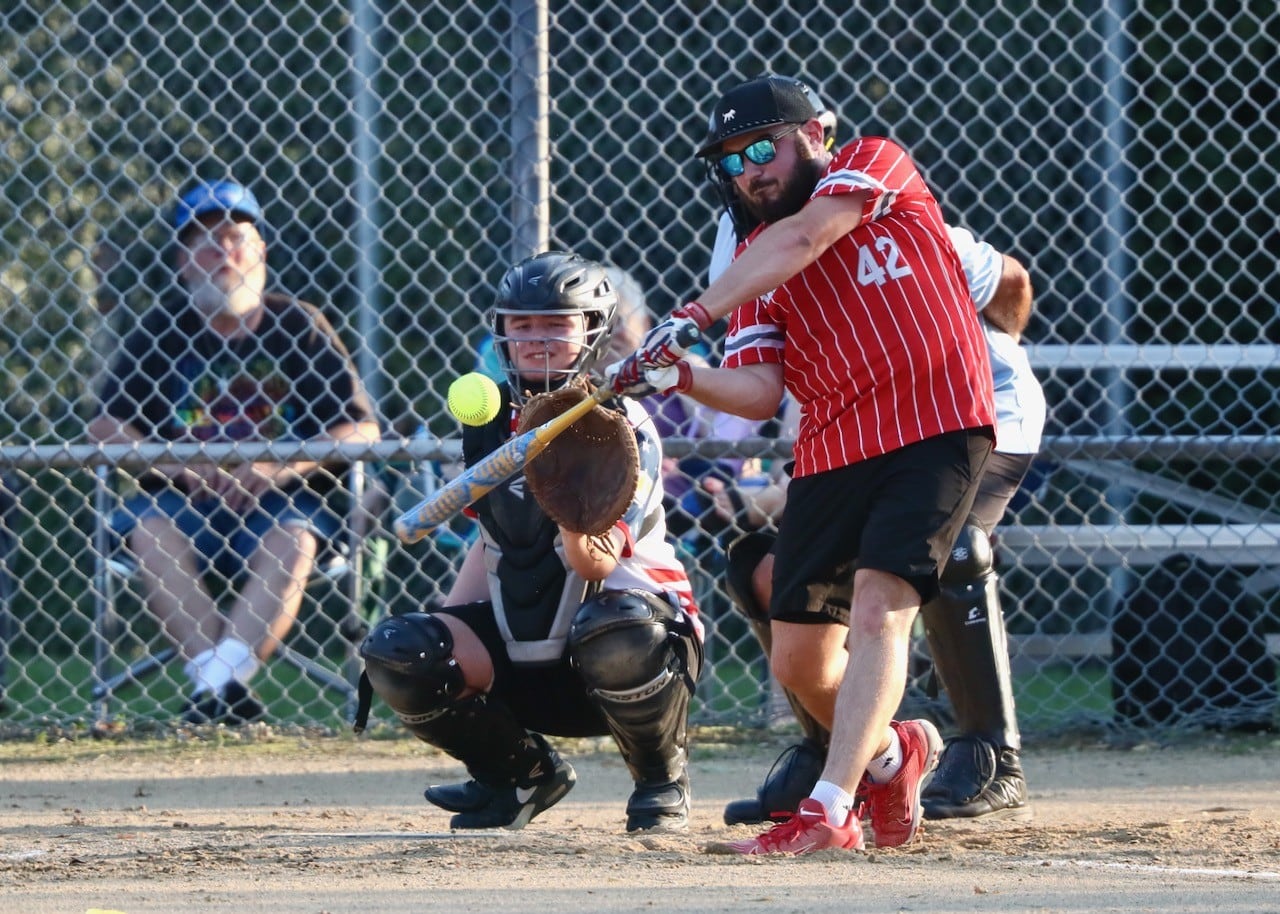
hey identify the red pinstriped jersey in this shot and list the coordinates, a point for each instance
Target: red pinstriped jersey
(878, 338)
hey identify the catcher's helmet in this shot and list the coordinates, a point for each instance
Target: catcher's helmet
(762, 90)
(554, 282)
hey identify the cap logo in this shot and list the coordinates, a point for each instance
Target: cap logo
(728, 115)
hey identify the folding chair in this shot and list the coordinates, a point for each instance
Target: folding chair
(8, 501)
(115, 567)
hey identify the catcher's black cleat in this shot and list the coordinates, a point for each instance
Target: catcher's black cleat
(512, 807)
(659, 807)
(232, 705)
(789, 781)
(977, 778)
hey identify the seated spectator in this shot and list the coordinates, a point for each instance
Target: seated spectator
(229, 362)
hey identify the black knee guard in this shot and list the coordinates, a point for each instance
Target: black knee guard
(967, 639)
(409, 663)
(745, 555)
(639, 659)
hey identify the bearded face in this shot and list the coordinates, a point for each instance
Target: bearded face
(224, 267)
(770, 198)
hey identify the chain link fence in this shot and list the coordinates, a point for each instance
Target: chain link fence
(406, 153)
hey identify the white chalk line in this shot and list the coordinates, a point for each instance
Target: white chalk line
(1161, 870)
(22, 855)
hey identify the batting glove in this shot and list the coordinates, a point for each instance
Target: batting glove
(660, 347)
(677, 377)
(628, 379)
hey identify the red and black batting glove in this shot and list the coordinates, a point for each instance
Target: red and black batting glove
(627, 377)
(660, 347)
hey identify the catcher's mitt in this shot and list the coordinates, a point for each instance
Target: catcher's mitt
(586, 477)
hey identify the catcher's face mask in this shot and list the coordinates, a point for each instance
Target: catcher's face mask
(546, 350)
(551, 321)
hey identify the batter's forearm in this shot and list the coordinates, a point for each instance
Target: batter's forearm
(753, 391)
(775, 256)
(782, 250)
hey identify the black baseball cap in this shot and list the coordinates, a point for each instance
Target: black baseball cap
(761, 102)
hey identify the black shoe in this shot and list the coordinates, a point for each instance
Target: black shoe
(468, 796)
(660, 807)
(232, 705)
(976, 778)
(789, 781)
(483, 806)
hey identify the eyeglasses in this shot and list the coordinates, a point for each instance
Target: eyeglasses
(761, 152)
(227, 238)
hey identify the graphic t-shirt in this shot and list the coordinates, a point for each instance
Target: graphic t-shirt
(175, 379)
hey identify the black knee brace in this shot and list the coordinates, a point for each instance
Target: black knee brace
(967, 639)
(745, 555)
(639, 660)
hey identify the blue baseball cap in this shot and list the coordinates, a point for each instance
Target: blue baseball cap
(218, 197)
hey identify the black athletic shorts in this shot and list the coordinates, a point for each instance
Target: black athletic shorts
(546, 699)
(899, 513)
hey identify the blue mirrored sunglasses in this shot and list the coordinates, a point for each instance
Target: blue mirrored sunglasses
(761, 152)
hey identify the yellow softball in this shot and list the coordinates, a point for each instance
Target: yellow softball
(473, 399)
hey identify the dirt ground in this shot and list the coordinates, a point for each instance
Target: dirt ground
(294, 826)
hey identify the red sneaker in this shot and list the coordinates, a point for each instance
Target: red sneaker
(895, 807)
(805, 831)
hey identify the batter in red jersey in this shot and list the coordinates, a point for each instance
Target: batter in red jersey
(851, 296)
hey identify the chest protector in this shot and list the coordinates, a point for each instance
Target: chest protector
(534, 595)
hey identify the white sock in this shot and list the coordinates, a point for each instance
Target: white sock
(834, 800)
(884, 766)
(192, 668)
(229, 659)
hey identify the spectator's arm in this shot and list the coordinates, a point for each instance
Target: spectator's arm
(107, 429)
(760, 504)
(241, 482)
(1010, 307)
(364, 432)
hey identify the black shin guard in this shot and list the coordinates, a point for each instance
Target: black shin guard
(744, 556)
(789, 781)
(484, 735)
(970, 649)
(639, 659)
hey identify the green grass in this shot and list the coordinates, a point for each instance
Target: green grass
(47, 689)
(732, 691)
(1058, 690)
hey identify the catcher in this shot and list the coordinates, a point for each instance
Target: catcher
(571, 615)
